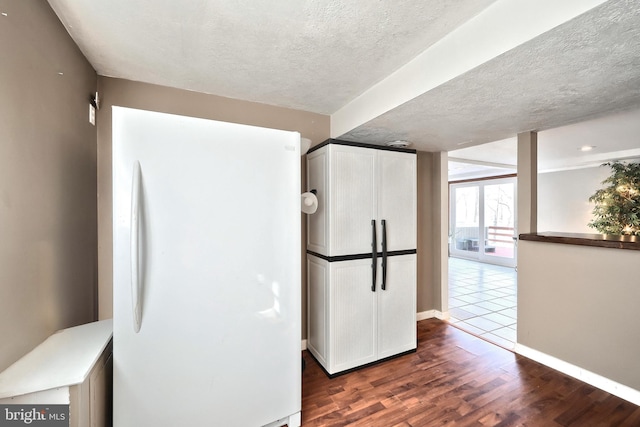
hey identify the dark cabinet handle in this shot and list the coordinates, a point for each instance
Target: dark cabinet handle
(374, 256)
(384, 255)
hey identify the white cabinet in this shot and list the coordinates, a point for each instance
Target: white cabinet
(72, 368)
(361, 310)
(349, 324)
(354, 186)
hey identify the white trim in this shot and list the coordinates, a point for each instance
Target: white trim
(430, 314)
(596, 380)
(304, 344)
(483, 163)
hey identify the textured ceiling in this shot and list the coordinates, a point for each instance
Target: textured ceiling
(313, 55)
(587, 67)
(613, 137)
(321, 55)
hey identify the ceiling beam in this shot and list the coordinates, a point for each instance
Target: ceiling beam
(501, 27)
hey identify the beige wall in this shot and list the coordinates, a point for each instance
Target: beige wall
(527, 183)
(577, 304)
(580, 305)
(425, 291)
(440, 226)
(48, 231)
(430, 269)
(168, 100)
(563, 199)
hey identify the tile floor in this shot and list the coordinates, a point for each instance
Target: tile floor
(482, 300)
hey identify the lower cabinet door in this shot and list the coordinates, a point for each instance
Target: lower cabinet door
(397, 307)
(317, 308)
(349, 324)
(353, 338)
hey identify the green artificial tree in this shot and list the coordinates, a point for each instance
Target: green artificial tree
(617, 206)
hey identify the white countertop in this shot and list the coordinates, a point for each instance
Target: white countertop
(64, 359)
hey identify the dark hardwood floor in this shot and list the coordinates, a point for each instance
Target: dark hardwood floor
(456, 379)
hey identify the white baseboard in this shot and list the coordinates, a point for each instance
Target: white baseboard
(304, 344)
(596, 380)
(430, 314)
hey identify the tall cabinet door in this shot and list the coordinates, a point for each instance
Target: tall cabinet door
(397, 198)
(317, 179)
(352, 204)
(318, 308)
(397, 307)
(353, 305)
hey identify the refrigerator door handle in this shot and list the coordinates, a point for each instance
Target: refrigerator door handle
(135, 246)
(384, 255)
(374, 256)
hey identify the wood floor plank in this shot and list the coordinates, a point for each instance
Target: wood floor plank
(456, 379)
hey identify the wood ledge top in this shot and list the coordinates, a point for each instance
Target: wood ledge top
(585, 239)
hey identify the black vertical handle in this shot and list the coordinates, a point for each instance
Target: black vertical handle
(374, 256)
(384, 255)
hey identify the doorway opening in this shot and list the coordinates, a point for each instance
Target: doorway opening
(482, 259)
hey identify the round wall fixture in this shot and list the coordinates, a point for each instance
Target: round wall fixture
(309, 202)
(399, 144)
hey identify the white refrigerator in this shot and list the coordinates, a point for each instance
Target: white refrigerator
(206, 272)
